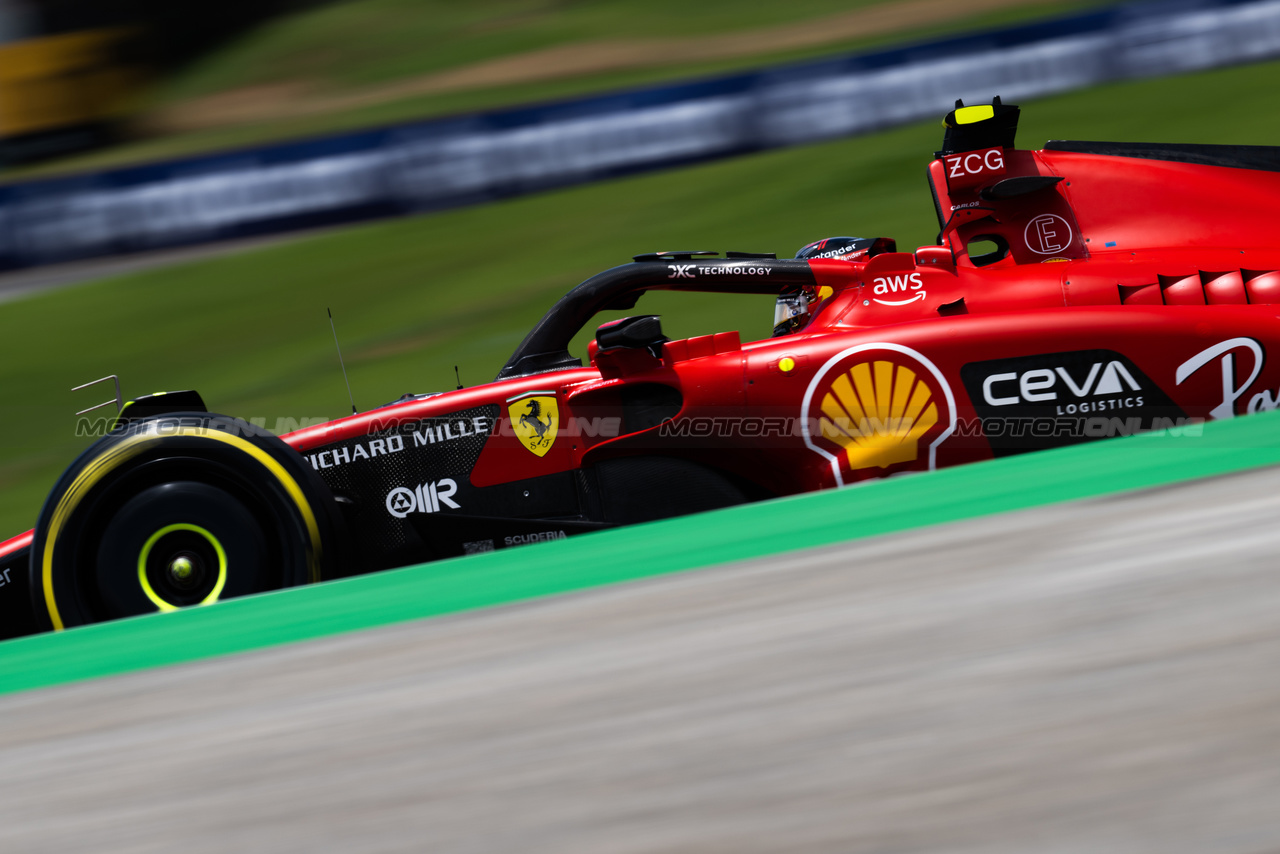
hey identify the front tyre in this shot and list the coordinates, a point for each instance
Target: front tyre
(178, 511)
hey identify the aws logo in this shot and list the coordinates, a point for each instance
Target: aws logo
(904, 284)
(878, 406)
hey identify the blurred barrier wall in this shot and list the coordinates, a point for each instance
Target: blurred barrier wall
(462, 160)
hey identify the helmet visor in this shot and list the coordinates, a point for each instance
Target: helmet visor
(790, 312)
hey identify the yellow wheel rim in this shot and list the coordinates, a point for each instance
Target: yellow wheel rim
(162, 603)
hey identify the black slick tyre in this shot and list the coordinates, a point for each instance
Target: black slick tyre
(177, 511)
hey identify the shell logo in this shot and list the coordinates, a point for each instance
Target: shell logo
(877, 406)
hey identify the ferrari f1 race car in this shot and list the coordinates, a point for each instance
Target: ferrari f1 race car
(1082, 291)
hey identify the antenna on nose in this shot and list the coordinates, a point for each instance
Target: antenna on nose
(350, 396)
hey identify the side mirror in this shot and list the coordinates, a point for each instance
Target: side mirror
(632, 333)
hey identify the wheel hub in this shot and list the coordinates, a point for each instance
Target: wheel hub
(185, 571)
(182, 564)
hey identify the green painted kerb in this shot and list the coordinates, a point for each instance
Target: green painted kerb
(640, 551)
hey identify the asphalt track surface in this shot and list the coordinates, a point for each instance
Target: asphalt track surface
(1097, 676)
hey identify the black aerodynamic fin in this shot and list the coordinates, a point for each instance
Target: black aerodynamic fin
(937, 207)
(1265, 158)
(979, 126)
(1011, 188)
(161, 403)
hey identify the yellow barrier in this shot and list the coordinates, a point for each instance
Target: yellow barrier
(64, 81)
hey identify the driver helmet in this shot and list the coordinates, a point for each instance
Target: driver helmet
(794, 307)
(847, 248)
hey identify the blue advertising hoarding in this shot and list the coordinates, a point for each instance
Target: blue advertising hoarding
(448, 162)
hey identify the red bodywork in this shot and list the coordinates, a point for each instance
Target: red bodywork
(1133, 293)
(1161, 262)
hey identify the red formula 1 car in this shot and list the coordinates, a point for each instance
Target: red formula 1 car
(1122, 287)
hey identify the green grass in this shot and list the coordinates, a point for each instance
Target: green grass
(413, 297)
(353, 44)
(360, 43)
(343, 47)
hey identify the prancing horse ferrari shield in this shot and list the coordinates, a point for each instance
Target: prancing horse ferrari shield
(535, 420)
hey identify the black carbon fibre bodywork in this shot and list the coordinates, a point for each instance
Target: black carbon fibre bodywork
(16, 617)
(1261, 157)
(545, 348)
